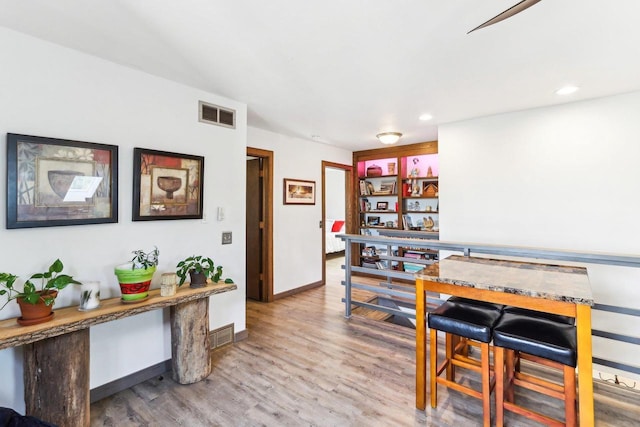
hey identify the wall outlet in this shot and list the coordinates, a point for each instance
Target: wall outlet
(226, 237)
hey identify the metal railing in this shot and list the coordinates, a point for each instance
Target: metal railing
(401, 290)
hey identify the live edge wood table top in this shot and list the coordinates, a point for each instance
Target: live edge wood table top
(69, 319)
(550, 288)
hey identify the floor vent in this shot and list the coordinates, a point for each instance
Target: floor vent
(221, 336)
(216, 115)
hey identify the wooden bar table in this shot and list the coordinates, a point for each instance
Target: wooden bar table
(544, 287)
(56, 353)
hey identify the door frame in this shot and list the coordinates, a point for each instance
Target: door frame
(267, 226)
(348, 205)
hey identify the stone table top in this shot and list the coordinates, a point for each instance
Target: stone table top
(553, 282)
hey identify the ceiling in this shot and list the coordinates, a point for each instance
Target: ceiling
(339, 72)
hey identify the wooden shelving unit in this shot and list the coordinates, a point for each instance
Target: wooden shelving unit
(397, 189)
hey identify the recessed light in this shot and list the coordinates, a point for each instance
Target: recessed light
(425, 117)
(567, 90)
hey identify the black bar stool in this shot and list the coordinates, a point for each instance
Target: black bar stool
(545, 339)
(465, 323)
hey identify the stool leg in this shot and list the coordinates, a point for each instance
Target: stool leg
(433, 365)
(498, 364)
(451, 342)
(486, 384)
(510, 372)
(570, 396)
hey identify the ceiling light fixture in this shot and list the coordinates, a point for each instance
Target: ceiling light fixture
(389, 137)
(425, 117)
(567, 90)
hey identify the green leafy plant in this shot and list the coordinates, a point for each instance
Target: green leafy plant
(50, 280)
(142, 259)
(198, 264)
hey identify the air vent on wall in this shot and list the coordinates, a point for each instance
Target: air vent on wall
(216, 115)
(221, 336)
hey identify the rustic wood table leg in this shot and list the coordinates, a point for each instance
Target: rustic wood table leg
(190, 348)
(56, 379)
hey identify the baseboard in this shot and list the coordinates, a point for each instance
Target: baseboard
(242, 335)
(298, 290)
(129, 381)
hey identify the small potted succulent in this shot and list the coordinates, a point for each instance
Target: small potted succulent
(36, 302)
(135, 276)
(200, 269)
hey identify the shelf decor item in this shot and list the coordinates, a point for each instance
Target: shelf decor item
(430, 190)
(89, 295)
(391, 168)
(135, 276)
(36, 302)
(374, 170)
(168, 284)
(167, 185)
(52, 182)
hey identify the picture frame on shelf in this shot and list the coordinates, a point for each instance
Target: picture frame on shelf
(299, 192)
(57, 182)
(167, 185)
(382, 206)
(429, 189)
(373, 221)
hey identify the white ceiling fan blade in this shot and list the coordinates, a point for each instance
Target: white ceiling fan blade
(524, 4)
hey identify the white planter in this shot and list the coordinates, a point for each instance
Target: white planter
(89, 295)
(168, 285)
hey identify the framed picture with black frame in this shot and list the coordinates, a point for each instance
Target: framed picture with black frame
(373, 221)
(56, 182)
(167, 185)
(382, 206)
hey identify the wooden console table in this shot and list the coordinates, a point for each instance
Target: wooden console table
(56, 353)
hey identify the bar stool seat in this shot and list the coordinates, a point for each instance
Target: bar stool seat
(533, 313)
(485, 304)
(542, 341)
(469, 322)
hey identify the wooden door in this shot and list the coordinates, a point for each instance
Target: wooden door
(254, 230)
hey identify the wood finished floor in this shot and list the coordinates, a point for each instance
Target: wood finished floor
(304, 364)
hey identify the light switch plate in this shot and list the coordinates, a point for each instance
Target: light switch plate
(226, 237)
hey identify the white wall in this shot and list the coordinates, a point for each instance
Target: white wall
(335, 194)
(297, 238)
(47, 90)
(564, 177)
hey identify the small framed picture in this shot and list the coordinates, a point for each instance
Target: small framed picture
(382, 206)
(299, 192)
(373, 221)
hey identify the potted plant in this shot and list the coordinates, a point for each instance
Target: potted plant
(36, 302)
(135, 276)
(199, 268)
